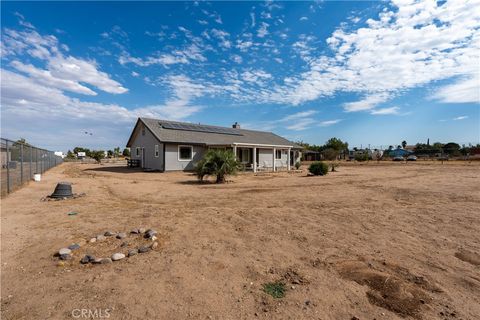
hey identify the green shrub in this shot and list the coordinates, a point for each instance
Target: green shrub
(318, 168)
(218, 163)
(361, 157)
(297, 165)
(275, 289)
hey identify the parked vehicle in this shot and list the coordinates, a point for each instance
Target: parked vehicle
(412, 158)
(398, 158)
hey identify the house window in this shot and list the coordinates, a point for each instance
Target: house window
(143, 131)
(185, 153)
(244, 155)
(156, 151)
(278, 154)
(138, 152)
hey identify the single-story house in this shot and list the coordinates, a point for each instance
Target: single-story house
(170, 145)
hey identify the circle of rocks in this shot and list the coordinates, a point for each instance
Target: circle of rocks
(67, 253)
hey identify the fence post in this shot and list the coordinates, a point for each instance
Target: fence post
(31, 154)
(21, 163)
(8, 167)
(36, 160)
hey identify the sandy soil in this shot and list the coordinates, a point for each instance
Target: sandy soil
(371, 241)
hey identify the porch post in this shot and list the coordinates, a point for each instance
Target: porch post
(274, 156)
(288, 159)
(254, 160)
(235, 151)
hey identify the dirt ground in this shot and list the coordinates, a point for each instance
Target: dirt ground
(371, 241)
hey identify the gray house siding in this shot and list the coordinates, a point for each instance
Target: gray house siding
(172, 161)
(148, 142)
(265, 158)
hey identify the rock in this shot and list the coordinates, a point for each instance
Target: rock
(101, 237)
(153, 238)
(65, 257)
(154, 245)
(150, 233)
(85, 259)
(97, 261)
(105, 260)
(124, 244)
(135, 231)
(141, 230)
(109, 234)
(74, 246)
(117, 256)
(61, 264)
(143, 249)
(121, 235)
(93, 240)
(132, 252)
(64, 251)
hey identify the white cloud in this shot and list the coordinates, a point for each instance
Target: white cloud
(62, 71)
(263, 30)
(252, 16)
(420, 43)
(237, 59)
(203, 22)
(385, 111)
(184, 56)
(463, 91)
(367, 103)
(303, 19)
(328, 123)
(222, 36)
(46, 78)
(460, 118)
(299, 115)
(256, 76)
(301, 124)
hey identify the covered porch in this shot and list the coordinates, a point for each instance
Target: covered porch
(256, 157)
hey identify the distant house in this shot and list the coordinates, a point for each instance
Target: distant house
(311, 155)
(170, 145)
(399, 152)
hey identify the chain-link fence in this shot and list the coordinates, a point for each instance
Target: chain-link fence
(21, 161)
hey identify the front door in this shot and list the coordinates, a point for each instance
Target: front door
(143, 158)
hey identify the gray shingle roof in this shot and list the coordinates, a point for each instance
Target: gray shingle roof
(209, 138)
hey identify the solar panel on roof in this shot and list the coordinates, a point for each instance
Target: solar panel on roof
(199, 128)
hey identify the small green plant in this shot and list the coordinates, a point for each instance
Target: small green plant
(218, 163)
(318, 168)
(297, 165)
(275, 289)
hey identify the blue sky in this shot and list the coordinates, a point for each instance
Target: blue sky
(367, 72)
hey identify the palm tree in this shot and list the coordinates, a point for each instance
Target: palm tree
(404, 144)
(219, 163)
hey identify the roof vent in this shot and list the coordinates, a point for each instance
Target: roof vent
(236, 125)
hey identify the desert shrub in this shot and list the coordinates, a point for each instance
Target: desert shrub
(275, 289)
(361, 157)
(318, 168)
(334, 166)
(98, 155)
(297, 165)
(218, 163)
